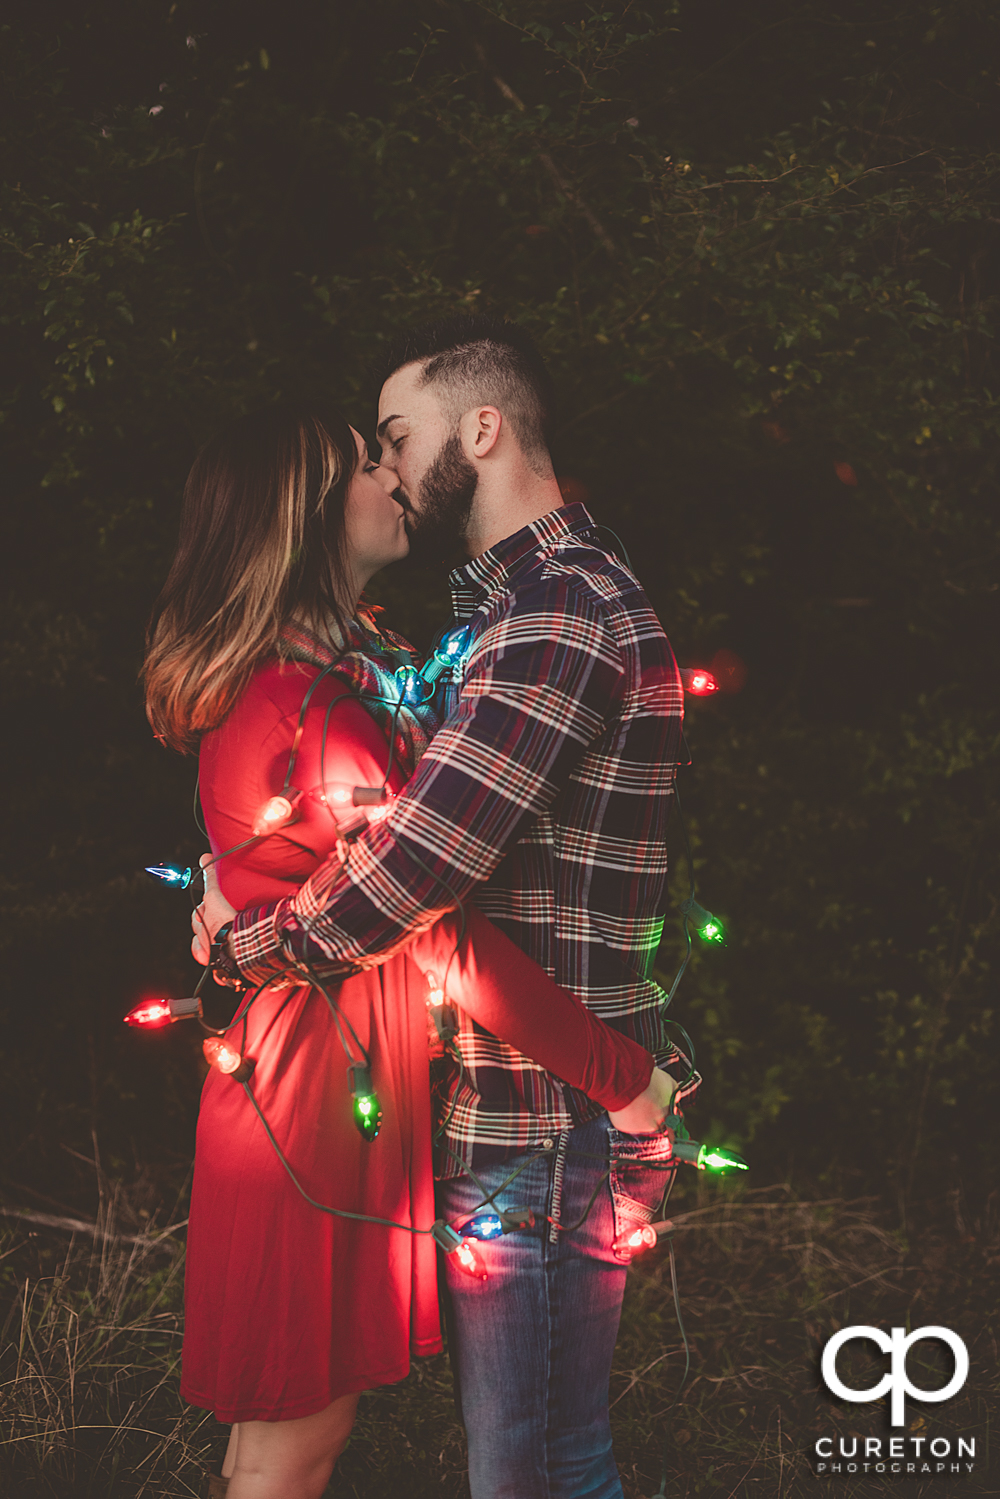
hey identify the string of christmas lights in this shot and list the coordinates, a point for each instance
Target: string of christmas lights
(369, 802)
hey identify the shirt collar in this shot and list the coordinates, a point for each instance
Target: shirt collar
(473, 582)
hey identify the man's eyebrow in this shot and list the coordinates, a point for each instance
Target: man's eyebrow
(383, 427)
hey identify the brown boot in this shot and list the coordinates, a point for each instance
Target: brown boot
(217, 1487)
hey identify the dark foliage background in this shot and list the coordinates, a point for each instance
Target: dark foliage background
(758, 247)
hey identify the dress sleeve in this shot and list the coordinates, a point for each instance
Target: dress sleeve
(508, 994)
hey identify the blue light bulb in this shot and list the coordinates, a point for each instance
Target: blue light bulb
(450, 651)
(454, 646)
(176, 876)
(483, 1226)
(411, 685)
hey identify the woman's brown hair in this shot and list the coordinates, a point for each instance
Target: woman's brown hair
(261, 541)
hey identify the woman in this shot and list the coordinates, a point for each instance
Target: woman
(291, 1310)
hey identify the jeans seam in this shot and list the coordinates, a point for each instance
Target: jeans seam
(558, 1173)
(551, 1311)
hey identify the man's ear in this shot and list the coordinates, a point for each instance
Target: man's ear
(480, 431)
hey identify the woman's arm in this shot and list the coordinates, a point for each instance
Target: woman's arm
(508, 994)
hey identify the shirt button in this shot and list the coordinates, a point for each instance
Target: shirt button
(548, 1144)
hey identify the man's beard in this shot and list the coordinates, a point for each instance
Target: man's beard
(446, 494)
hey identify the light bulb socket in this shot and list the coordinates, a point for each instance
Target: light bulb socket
(705, 924)
(445, 1020)
(445, 1236)
(359, 1079)
(688, 1151)
(185, 1009)
(369, 796)
(517, 1218)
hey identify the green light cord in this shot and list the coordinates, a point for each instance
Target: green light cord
(321, 1206)
(625, 556)
(572, 1227)
(199, 821)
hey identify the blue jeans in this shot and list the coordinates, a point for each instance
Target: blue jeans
(532, 1344)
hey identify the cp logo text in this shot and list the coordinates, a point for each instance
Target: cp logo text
(897, 1346)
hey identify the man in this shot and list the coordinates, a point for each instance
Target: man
(544, 797)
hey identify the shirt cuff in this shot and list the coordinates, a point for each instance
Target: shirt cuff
(256, 943)
(630, 1079)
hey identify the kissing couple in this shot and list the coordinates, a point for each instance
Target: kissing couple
(440, 888)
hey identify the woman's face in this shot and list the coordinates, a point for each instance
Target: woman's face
(374, 533)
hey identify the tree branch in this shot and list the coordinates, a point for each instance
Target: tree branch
(563, 186)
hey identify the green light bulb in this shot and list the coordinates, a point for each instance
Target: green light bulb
(368, 1116)
(367, 1110)
(715, 1158)
(708, 927)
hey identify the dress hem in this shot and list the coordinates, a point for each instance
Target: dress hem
(302, 1408)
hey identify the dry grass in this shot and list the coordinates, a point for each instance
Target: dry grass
(765, 1279)
(88, 1381)
(89, 1365)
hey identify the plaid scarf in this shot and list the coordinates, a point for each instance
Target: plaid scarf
(367, 662)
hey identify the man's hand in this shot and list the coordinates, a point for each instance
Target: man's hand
(213, 912)
(645, 1114)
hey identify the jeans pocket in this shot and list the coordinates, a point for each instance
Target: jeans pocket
(642, 1167)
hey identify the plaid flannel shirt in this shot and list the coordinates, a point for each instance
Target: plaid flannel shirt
(544, 796)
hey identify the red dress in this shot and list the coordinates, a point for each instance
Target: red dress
(288, 1308)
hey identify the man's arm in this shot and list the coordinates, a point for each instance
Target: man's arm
(540, 686)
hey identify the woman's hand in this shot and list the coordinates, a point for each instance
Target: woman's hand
(645, 1114)
(213, 912)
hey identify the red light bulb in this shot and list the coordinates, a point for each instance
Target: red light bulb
(150, 1014)
(698, 682)
(469, 1261)
(225, 1058)
(442, 1020)
(221, 1055)
(274, 814)
(635, 1240)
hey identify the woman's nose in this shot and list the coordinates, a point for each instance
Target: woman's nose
(388, 478)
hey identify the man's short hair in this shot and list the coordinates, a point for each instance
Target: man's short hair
(475, 360)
